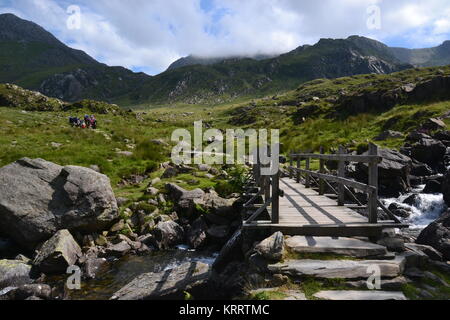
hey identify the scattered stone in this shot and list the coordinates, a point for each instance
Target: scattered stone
(395, 284)
(341, 246)
(294, 295)
(272, 248)
(118, 250)
(56, 145)
(14, 273)
(155, 181)
(22, 258)
(359, 295)
(204, 167)
(437, 235)
(433, 187)
(95, 167)
(168, 234)
(432, 253)
(196, 234)
(434, 124)
(428, 151)
(190, 277)
(169, 173)
(446, 188)
(152, 191)
(389, 134)
(58, 253)
(93, 266)
(411, 200)
(40, 291)
(343, 269)
(119, 226)
(394, 244)
(125, 153)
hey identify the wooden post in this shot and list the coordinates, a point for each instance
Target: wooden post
(291, 164)
(298, 166)
(341, 173)
(258, 168)
(276, 198)
(322, 170)
(308, 178)
(373, 181)
(267, 182)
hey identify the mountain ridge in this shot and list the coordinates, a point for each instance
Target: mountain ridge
(34, 59)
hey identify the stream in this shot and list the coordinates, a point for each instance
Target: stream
(427, 208)
(124, 270)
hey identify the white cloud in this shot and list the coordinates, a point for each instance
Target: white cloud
(150, 34)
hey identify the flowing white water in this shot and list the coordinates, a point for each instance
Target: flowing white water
(428, 208)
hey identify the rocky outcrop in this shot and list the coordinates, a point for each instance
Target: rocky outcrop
(446, 188)
(429, 151)
(271, 248)
(14, 273)
(342, 269)
(38, 198)
(58, 253)
(337, 246)
(393, 172)
(375, 295)
(437, 235)
(190, 277)
(168, 234)
(24, 292)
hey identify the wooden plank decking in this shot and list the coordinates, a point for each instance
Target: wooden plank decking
(302, 211)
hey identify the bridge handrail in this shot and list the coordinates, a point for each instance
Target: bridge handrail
(339, 157)
(351, 183)
(372, 159)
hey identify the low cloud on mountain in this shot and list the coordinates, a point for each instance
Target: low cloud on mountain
(149, 35)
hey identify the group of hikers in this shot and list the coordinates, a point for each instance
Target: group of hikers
(87, 122)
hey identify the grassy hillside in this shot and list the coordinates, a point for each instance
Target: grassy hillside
(314, 115)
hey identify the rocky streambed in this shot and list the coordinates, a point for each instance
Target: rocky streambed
(61, 226)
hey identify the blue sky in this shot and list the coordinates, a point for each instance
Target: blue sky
(148, 35)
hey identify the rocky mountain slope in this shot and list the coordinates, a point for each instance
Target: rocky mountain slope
(33, 58)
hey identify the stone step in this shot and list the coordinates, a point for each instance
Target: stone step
(359, 295)
(340, 269)
(341, 246)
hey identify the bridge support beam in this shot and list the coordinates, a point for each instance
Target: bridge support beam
(341, 174)
(373, 181)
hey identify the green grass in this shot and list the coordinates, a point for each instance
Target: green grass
(269, 295)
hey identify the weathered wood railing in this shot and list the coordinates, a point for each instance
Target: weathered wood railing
(323, 179)
(268, 187)
(269, 190)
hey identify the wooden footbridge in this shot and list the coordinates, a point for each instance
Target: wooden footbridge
(300, 201)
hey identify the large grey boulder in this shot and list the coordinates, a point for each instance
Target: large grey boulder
(437, 235)
(429, 151)
(168, 234)
(446, 188)
(14, 273)
(271, 248)
(340, 246)
(196, 235)
(38, 198)
(341, 269)
(190, 277)
(393, 172)
(375, 295)
(185, 201)
(58, 253)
